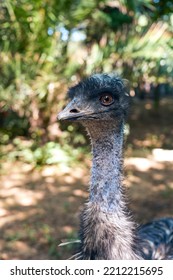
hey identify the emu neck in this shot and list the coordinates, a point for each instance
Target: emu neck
(106, 175)
(107, 232)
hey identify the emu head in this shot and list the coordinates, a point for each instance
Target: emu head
(101, 97)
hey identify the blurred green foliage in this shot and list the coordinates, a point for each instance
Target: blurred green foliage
(47, 45)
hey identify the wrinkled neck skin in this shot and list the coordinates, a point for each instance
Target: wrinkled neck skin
(107, 231)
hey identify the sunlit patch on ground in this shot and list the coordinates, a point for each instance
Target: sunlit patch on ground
(163, 155)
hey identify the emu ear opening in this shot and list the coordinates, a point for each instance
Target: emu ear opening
(126, 87)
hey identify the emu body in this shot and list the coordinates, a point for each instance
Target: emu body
(107, 231)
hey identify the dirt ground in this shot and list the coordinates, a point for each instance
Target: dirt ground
(39, 208)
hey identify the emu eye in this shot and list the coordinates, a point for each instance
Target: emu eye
(106, 99)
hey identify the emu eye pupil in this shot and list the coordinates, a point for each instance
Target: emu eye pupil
(106, 100)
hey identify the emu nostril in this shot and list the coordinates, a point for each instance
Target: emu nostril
(74, 111)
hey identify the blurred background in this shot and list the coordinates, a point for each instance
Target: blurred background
(45, 47)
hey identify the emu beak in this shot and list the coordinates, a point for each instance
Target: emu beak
(70, 112)
(63, 115)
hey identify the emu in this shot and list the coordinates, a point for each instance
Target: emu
(107, 230)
